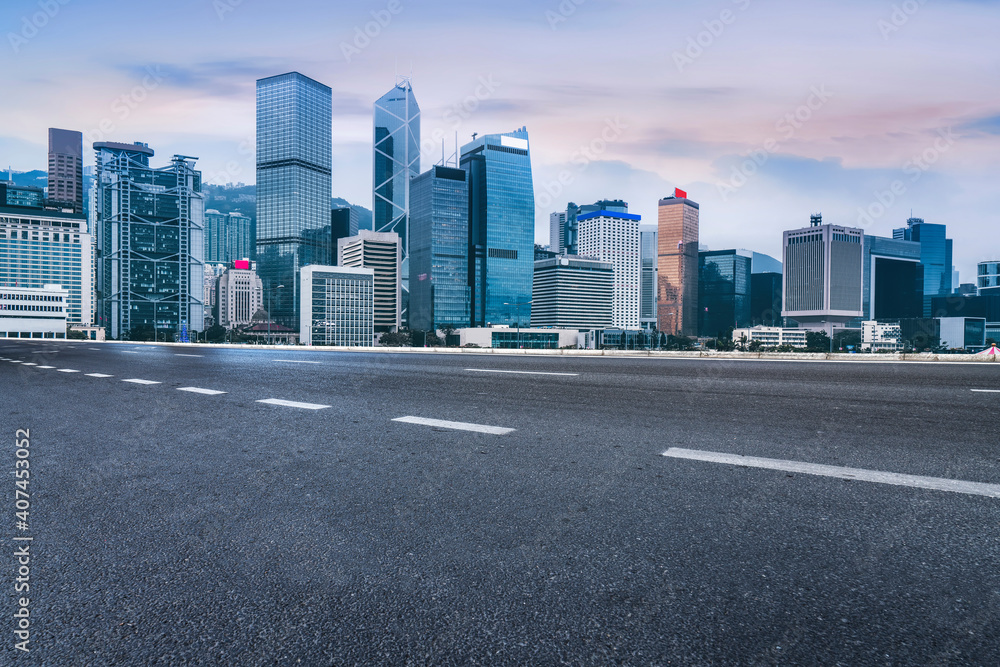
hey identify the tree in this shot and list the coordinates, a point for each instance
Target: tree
(395, 339)
(817, 341)
(216, 334)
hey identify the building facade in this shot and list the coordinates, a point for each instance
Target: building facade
(648, 248)
(501, 227)
(573, 292)
(881, 336)
(344, 223)
(439, 250)
(724, 291)
(893, 280)
(381, 252)
(338, 306)
(935, 257)
(40, 247)
(613, 238)
(31, 312)
(823, 272)
(988, 278)
(771, 336)
(228, 237)
(150, 227)
(66, 168)
(677, 265)
(239, 295)
(294, 160)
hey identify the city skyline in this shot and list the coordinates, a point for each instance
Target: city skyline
(790, 85)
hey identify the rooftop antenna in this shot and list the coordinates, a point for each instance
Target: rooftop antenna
(474, 135)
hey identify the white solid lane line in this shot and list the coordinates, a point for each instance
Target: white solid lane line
(137, 381)
(490, 370)
(189, 355)
(859, 474)
(458, 426)
(295, 361)
(293, 404)
(67, 370)
(987, 391)
(199, 390)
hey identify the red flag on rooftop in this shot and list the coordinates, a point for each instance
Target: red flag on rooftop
(680, 194)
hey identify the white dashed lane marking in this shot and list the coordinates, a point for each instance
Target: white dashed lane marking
(490, 370)
(199, 390)
(189, 355)
(99, 375)
(46, 366)
(296, 361)
(858, 474)
(457, 426)
(138, 381)
(293, 404)
(987, 391)
(67, 370)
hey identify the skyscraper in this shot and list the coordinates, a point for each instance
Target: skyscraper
(614, 238)
(564, 225)
(723, 291)
(677, 265)
(150, 226)
(396, 161)
(66, 167)
(893, 279)
(648, 246)
(823, 274)
(379, 251)
(294, 159)
(557, 232)
(501, 227)
(439, 249)
(228, 237)
(935, 255)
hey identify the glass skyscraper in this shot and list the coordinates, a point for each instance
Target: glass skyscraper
(439, 249)
(723, 291)
(648, 248)
(150, 226)
(501, 227)
(294, 160)
(396, 139)
(228, 237)
(935, 255)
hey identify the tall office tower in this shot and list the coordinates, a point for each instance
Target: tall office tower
(557, 232)
(66, 167)
(439, 249)
(294, 158)
(723, 291)
(765, 290)
(239, 294)
(988, 278)
(501, 227)
(396, 161)
(228, 237)
(823, 274)
(337, 306)
(343, 224)
(40, 247)
(677, 265)
(648, 246)
(614, 238)
(381, 252)
(935, 255)
(573, 292)
(893, 281)
(150, 226)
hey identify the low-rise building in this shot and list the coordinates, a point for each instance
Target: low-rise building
(33, 312)
(338, 306)
(881, 336)
(771, 336)
(518, 339)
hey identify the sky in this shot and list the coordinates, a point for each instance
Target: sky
(764, 111)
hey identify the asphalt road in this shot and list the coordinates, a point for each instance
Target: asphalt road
(175, 527)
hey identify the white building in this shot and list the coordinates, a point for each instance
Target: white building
(381, 252)
(881, 336)
(27, 312)
(572, 292)
(338, 306)
(512, 338)
(613, 237)
(239, 294)
(771, 336)
(823, 274)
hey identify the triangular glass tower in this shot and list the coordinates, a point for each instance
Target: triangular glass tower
(397, 160)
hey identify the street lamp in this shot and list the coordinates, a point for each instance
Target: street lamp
(269, 290)
(518, 304)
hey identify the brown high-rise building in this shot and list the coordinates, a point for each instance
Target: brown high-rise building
(66, 167)
(677, 264)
